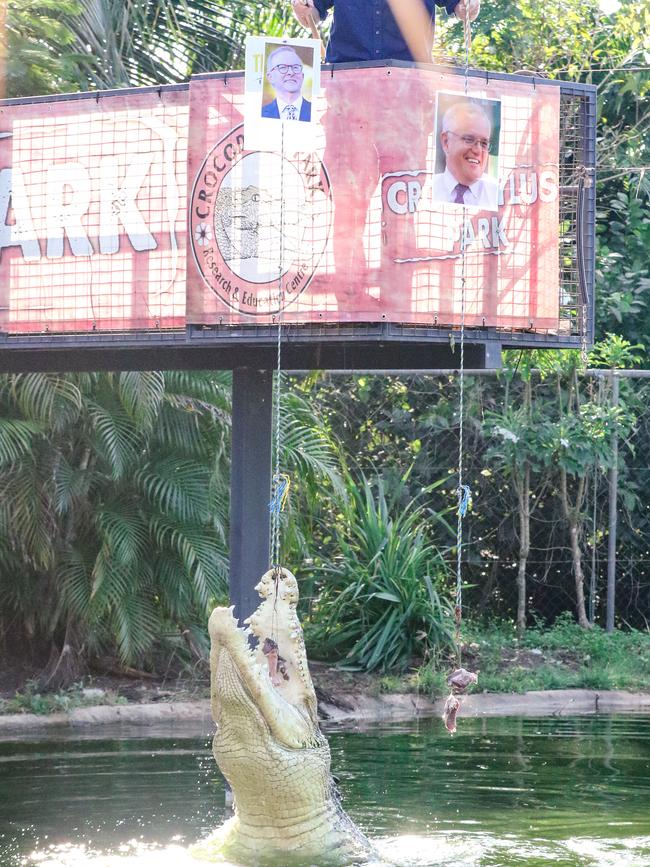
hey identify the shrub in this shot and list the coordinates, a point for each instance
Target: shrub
(383, 601)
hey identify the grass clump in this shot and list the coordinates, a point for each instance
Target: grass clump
(384, 599)
(31, 700)
(519, 679)
(563, 656)
(429, 680)
(620, 660)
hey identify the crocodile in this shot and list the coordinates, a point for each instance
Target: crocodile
(268, 743)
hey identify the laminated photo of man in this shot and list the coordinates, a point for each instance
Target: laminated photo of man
(465, 134)
(284, 71)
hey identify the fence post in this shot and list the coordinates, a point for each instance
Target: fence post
(613, 514)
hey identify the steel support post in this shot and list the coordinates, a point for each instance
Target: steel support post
(250, 484)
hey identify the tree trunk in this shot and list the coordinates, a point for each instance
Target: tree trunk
(65, 665)
(576, 555)
(572, 516)
(524, 549)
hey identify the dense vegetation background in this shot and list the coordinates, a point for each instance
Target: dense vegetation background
(114, 487)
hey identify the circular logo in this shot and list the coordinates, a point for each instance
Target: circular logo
(259, 224)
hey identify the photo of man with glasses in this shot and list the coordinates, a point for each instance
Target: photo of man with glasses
(465, 133)
(284, 71)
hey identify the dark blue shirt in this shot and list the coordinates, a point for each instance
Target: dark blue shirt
(367, 30)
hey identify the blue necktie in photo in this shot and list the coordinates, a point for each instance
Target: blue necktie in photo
(460, 190)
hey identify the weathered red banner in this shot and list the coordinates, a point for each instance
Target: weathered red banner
(93, 212)
(360, 230)
(144, 209)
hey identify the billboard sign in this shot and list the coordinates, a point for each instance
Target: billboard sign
(148, 209)
(371, 225)
(93, 212)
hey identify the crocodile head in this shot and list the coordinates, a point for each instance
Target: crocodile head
(268, 743)
(266, 686)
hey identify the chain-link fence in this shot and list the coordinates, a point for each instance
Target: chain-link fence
(545, 453)
(597, 491)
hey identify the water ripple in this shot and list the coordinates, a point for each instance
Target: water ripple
(569, 791)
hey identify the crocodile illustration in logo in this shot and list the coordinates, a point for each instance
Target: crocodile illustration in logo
(249, 223)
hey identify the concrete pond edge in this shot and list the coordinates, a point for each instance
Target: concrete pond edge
(349, 710)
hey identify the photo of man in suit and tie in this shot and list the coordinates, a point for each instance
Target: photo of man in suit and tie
(285, 74)
(467, 136)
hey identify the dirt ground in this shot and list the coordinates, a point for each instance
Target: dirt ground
(19, 676)
(332, 683)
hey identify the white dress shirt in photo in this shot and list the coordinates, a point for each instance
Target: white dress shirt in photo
(483, 193)
(282, 105)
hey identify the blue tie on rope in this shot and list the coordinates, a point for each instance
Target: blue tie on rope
(281, 484)
(464, 499)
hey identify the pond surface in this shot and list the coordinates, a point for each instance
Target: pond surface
(567, 791)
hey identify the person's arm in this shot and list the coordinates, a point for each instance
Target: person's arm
(310, 12)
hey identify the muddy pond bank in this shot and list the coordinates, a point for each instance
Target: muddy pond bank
(347, 709)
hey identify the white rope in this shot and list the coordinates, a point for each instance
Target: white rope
(463, 490)
(279, 482)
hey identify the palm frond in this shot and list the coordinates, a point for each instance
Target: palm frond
(202, 557)
(142, 393)
(308, 448)
(212, 387)
(26, 517)
(135, 624)
(16, 438)
(111, 581)
(48, 398)
(139, 43)
(73, 575)
(178, 429)
(176, 487)
(71, 484)
(115, 438)
(123, 531)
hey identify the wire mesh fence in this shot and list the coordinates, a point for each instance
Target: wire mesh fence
(609, 507)
(105, 248)
(561, 429)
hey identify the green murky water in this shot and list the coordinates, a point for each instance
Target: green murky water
(573, 791)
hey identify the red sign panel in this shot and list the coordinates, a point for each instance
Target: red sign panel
(364, 229)
(93, 213)
(145, 209)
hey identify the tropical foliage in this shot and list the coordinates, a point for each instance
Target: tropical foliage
(112, 526)
(88, 44)
(38, 48)
(113, 516)
(539, 442)
(384, 596)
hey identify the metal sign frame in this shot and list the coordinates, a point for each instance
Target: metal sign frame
(379, 345)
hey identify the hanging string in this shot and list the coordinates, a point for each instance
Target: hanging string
(467, 40)
(281, 481)
(460, 679)
(463, 491)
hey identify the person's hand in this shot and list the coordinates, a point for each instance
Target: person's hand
(307, 14)
(465, 9)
